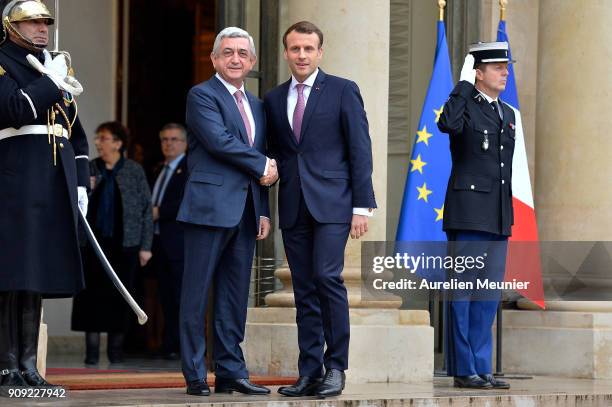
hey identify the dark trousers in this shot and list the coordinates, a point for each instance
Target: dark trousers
(223, 257)
(170, 277)
(315, 252)
(470, 313)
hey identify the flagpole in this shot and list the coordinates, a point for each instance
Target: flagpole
(499, 370)
(441, 6)
(502, 9)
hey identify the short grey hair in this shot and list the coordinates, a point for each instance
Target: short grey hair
(174, 126)
(233, 32)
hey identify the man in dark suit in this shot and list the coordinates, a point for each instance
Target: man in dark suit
(168, 248)
(318, 133)
(478, 214)
(224, 209)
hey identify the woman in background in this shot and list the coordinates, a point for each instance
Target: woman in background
(120, 215)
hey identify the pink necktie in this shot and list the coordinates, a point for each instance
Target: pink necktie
(245, 118)
(298, 113)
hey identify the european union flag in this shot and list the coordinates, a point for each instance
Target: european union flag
(430, 165)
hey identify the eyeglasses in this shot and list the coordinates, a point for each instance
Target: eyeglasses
(171, 140)
(104, 138)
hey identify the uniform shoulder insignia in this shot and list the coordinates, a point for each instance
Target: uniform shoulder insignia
(2, 71)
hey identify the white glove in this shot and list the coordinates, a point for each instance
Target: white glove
(82, 199)
(65, 83)
(57, 65)
(468, 73)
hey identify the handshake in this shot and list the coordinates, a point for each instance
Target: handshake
(272, 176)
(57, 70)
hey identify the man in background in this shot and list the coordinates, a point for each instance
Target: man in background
(168, 247)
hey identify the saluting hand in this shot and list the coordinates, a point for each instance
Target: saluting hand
(468, 73)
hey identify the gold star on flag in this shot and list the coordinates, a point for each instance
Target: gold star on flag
(440, 213)
(438, 113)
(423, 136)
(423, 192)
(417, 165)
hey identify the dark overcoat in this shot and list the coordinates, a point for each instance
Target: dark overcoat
(39, 248)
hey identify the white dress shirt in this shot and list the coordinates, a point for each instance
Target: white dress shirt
(158, 189)
(245, 102)
(491, 100)
(292, 97)
(247, 108)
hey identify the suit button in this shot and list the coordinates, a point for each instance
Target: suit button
(486, 132)
(503, 181)
(61, 145)
(502, 130)
(501, 147)
(472, 187)
(502, 165)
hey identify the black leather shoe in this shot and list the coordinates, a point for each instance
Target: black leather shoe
(497, 384)
(332, 384)
(198, 388)
(472, 382)
(12, 378)
(34, 379)
(243, 386)
(304, 386)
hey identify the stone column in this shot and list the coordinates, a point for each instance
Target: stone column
(573, 166)
(386, 344)
(572, 188)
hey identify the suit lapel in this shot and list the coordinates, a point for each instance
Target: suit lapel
(257, 111)
(505, 112)
(486, 106)
(311, 104)
(230, 102)
(282, 108)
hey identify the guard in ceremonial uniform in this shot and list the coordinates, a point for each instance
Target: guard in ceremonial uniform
(478, 207)
(43, 175)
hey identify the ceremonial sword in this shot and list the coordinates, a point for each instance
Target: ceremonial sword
(142, 317)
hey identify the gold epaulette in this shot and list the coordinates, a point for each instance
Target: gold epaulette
(2, 71)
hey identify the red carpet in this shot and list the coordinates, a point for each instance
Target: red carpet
(98, 379)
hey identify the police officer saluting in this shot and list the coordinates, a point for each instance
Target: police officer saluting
(478, 205)
(43, 174)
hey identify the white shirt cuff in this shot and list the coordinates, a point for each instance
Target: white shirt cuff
(267, 166)
(265, 217)
(363, 211)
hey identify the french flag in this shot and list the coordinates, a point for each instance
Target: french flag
(523, 262)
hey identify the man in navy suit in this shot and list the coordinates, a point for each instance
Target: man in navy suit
(224, 209)
(168, 248)
(318, 133)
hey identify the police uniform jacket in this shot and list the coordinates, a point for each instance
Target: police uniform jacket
(38, 198)
(479, 192)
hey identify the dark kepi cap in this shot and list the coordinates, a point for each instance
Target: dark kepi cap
(487, 52)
